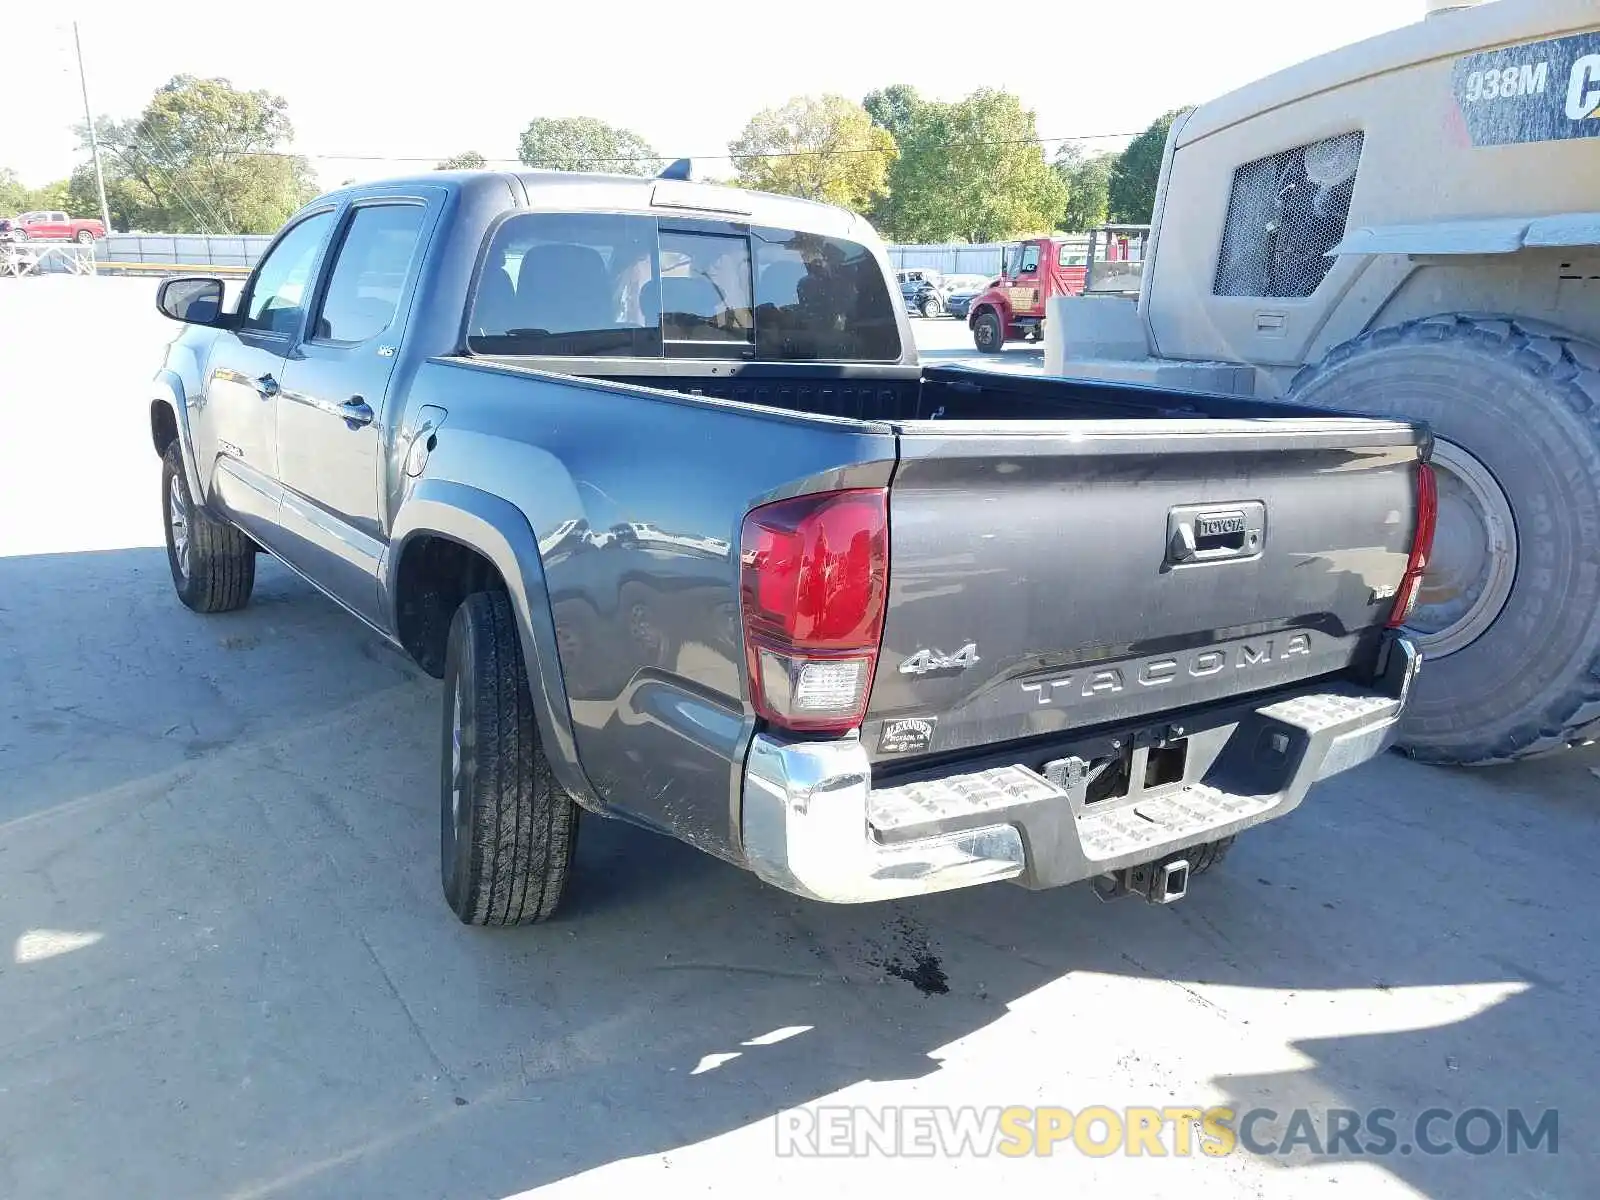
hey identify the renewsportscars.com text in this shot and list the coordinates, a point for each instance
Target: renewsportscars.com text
(857, 1131)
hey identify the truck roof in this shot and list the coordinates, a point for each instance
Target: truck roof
(588, 191)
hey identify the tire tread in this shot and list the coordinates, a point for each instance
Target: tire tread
(1567, 366)
(526, 822)
(222, 558)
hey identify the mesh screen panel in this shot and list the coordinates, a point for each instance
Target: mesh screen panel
(1286, 212)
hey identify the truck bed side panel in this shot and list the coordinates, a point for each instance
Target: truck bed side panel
(636, 500)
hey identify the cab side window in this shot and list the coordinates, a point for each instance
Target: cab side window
(282, 286)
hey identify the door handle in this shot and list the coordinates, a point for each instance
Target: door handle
(356, 412)
(267, 387)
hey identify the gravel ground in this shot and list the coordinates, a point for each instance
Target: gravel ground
(226, 970)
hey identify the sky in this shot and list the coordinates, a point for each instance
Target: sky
(424, 81)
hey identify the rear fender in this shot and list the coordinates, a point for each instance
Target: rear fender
(498, 530)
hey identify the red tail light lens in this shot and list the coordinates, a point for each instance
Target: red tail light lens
(814, 573)
(1421, 546)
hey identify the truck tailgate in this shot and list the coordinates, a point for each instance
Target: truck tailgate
(1058, 575)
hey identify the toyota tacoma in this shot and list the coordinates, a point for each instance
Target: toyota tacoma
(648, 473)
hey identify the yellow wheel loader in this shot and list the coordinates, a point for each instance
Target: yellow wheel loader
(1411, 226)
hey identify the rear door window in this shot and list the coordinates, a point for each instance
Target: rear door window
(569, 284)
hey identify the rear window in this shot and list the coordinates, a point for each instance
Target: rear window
(605, 285)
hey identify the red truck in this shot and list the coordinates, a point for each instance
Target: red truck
(1013, 308)
(55, 226)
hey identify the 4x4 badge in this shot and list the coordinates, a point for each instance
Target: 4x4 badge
(924, 661)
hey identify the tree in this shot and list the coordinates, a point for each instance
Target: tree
(585, 144)
(1088, 180)
(972, 171)
(470, 160)
(204, 157)
(892, 108)
(16, 197)
(1132, 194)
(128, 208)
(12, 192)
(818, 147)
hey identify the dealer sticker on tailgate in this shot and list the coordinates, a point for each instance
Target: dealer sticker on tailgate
(1538, 92)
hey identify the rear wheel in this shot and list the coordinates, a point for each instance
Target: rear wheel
(987, 334)
(507, 829)
(1508, 619)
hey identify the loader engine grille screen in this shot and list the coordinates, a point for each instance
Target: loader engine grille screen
(1286, 212)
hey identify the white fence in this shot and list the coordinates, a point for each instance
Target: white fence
(150, 252)
(183, 250)
(210, 250)
(954, 258)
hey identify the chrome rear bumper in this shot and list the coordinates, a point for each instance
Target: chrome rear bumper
(813, 824)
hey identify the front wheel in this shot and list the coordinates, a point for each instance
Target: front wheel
(507, 829)
(1508, 617)
(84, 237)
(987, 334)
(213, 564)
(930, 308)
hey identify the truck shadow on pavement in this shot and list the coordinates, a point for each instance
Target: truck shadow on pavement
(226, 970)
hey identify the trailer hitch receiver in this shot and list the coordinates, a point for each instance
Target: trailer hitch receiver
(1159, 882)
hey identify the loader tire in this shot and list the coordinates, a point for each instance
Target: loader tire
(508, 830)
(1508, 621)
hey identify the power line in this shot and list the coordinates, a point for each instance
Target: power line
(641, 158)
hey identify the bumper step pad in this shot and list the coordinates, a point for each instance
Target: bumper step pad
(1117, 829)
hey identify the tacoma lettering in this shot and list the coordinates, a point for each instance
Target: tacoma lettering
(1153, 672)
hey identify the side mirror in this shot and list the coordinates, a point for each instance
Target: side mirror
(195, 300)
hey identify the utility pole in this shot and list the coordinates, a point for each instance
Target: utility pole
(94, 140)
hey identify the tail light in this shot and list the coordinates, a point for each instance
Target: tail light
(813, 575)
(1421, 546)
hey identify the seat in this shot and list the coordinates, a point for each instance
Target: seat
(779, 284)
(563, 288)
(692, 296)
(495, 310)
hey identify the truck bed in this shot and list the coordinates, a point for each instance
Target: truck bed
(867, 392)
(1033, 519)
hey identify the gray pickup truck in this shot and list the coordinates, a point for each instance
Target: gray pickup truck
(648, 473)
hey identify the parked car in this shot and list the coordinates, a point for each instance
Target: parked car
(8, 230)
(57, 226)
(960, 290)
(703, 547)
(922, 290)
